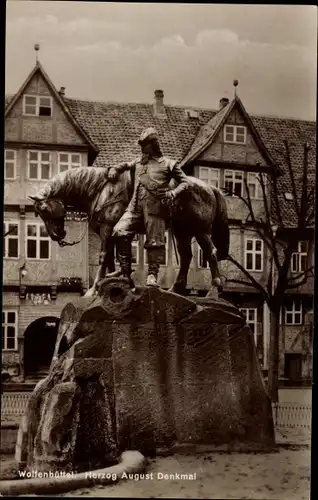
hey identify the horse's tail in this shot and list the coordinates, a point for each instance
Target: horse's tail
(220, 227)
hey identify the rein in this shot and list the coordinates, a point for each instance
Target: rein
(64, 243)
(117, 198)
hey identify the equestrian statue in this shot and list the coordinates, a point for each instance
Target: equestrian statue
(145, 196)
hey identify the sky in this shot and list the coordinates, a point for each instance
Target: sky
(122, 52)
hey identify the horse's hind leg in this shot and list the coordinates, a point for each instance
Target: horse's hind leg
(185, 254)
(209, 252)
(106, 259)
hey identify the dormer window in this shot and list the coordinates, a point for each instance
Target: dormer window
(36, 105)
(39, 165)
(235, 134)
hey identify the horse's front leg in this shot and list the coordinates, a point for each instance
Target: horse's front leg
(107, 262)
(209, 252)
(106, 259)
(93, 290)
(185, 253)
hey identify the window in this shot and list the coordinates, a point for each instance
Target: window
(254, 186)
(254, 254)
(299, 258)
(9, 331)
(250, 315)
(39, 165)
(9, 163)
(235, 134)
(37, 242)
(233, 182)
(35, 105)
(11, 240)
(166, 253)
(210, 176)
(67, 161)
(294, 313)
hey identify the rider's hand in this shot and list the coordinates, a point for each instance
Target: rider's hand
(112, 174)
(166, 197)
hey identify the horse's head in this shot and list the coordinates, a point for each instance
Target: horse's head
(52, 212)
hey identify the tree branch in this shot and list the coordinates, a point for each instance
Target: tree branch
(311, 194)
(302, 274)
(250, 277)
(9, 231)
(270, 243)
(283, 274)
(290, 286)
(250, 208)
(275, 191)
(310, 217)
(292, 179)
(304, 195)
(249, 201)
(267, 211)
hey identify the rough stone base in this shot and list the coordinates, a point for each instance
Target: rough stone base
(147, 370)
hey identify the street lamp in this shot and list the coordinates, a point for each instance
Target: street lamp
(22, 274)
(23, 271)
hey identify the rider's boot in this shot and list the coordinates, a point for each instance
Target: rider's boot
(124, 256)
(156, 256)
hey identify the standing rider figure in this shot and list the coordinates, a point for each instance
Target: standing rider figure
(149, 208)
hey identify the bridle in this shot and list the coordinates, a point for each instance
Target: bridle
(118, 197)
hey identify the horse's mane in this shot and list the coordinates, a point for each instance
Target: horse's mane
(82, 181)
(79, 183)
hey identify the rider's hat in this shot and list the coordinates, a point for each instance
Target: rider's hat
(147, 135)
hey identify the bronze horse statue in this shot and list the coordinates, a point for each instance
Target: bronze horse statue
(198, 212)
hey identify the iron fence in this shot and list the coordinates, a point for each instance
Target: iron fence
(13, 405)
(292, 415)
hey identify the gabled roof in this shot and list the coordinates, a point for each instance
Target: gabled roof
(208, 132)
(38, 68)
(115, 128)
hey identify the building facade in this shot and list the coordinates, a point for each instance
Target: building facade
(46, 132)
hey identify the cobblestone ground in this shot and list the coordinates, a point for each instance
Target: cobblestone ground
(281, 476)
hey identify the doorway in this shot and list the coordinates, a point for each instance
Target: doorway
(293, 367)
(39, 344)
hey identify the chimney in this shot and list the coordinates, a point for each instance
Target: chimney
(62, 91)
(159, 108)
(223, 102)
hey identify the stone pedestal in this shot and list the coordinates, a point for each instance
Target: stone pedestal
(147, 370)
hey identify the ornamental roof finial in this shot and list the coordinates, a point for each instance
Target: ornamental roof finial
(36, 48)
(235, 84)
